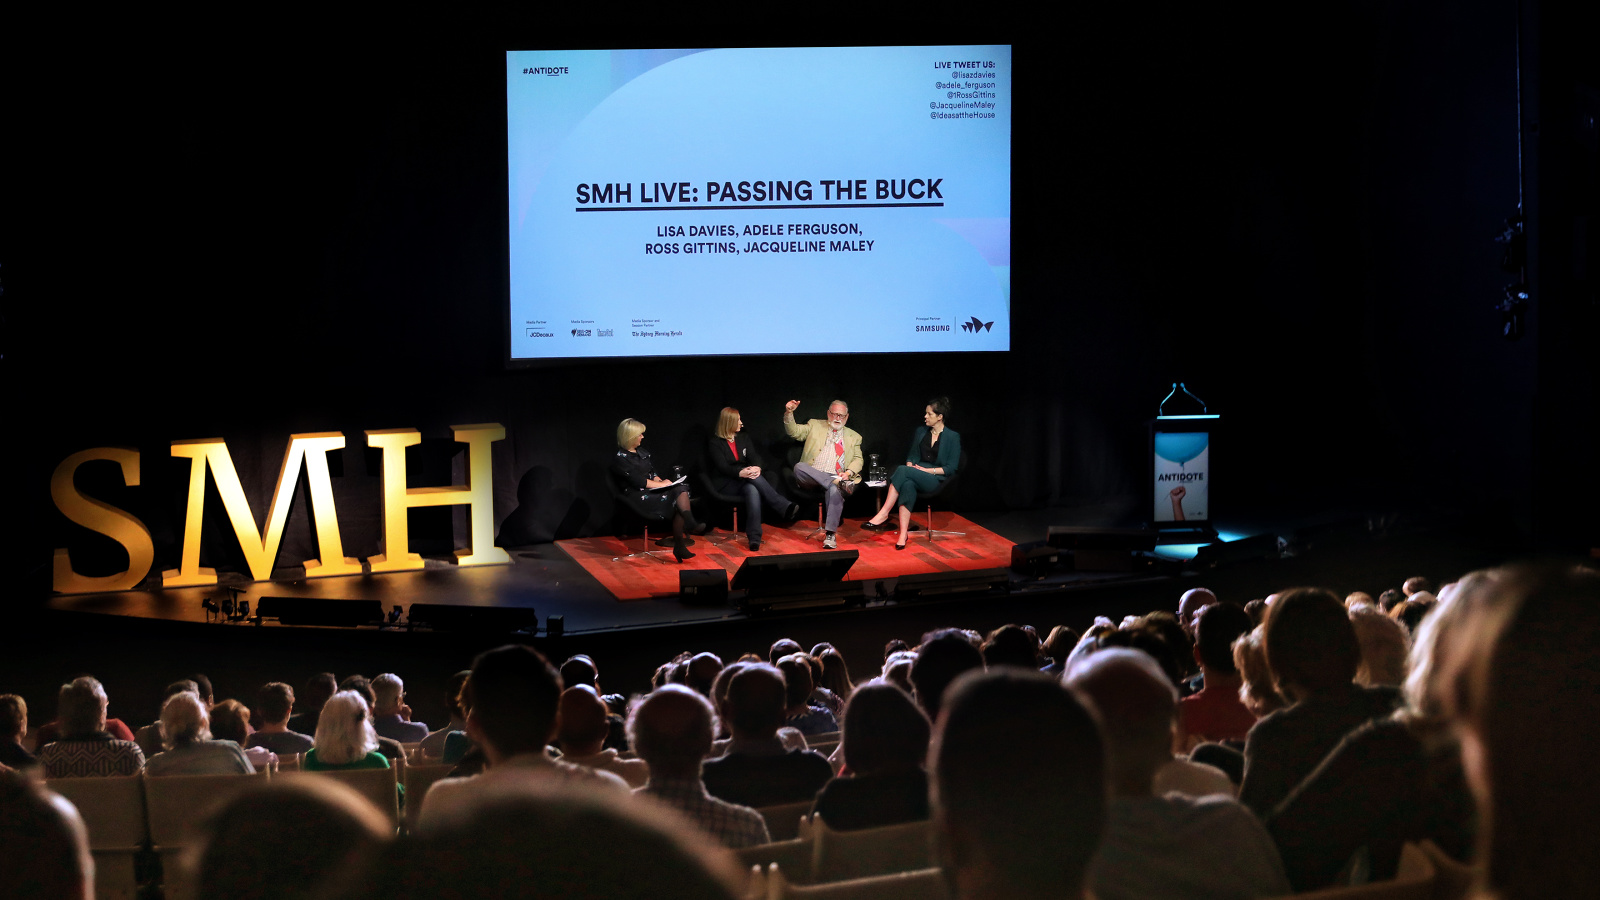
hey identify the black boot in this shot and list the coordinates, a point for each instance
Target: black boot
(692, 526)
(681, 550)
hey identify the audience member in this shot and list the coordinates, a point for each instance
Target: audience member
(511, 699)
(1358, 598)
(274, 702)
(581, 669)
(897, 670)
(1257, 691)
(758, 770)
(550, 840)
(432, 746)
(1257, 610)
(799, 713)
(1412, 612)
(1011, 645)
(894, 646)
(13, 728)
(190, 750)
(1312, 650)
(791, 738)
(1190, 604)
(230, 721)
(885, 746)
(150, 738)
(821, 696)
(1215, 712)
(1522, 699)
(285, 840)
(671, 731)
(1060, 642)
(1163, 846)
(835, 674)
(391, 717)
(942, 658)
(46, 845)
(1384, 644)
(52, 731)
(203, 690)
(703, 669)
(85, 748)
(783, 647)
(388, 746)
(1019, 787)
(345, 737)
(1417, 584)
(582, 733)
(1389, 781)
(318, 689)
(1389, 599)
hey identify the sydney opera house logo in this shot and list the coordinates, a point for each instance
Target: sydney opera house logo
(975, 326)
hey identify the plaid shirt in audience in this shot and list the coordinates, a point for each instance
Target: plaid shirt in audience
(735, 826)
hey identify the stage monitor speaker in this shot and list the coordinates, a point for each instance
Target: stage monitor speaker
(321, 611)
(1102, 549)
(703, 586)
(793, 569)
(490, 619)
(951, 585)
(1034, 559)
(555, 626)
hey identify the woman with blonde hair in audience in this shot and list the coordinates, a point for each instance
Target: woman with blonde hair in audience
(835, 674)
(1385, 644)
(345, 738)
(1523, 697)
(1256, 690)
(186, 733)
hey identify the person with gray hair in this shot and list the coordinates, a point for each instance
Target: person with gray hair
(671, 730)
(186, 730)
(1163, 846)
(84, 748)
(391, 717)
(830, 459)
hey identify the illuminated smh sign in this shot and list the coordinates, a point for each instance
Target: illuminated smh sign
(211, 454)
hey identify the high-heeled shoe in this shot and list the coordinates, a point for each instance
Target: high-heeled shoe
(681, 552)
(870, 525)
(900, 546)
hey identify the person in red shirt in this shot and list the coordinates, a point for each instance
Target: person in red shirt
(1216, 713)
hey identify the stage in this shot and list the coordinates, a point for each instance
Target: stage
(582, 582)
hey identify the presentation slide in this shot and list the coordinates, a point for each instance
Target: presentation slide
(759, 201)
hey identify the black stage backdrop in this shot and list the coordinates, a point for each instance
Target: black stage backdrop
(274, 222)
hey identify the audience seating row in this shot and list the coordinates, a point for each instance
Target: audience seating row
(127, 814)
(819, 854)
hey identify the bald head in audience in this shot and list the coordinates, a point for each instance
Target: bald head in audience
(1136, 703)
(1017, 766)
(671, 730)
(1190, 604)
(584, 723)
(756, 702)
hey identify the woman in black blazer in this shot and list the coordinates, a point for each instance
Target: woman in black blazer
(737, 469)
(657, 497)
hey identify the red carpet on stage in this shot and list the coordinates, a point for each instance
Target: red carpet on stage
(644, 577)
